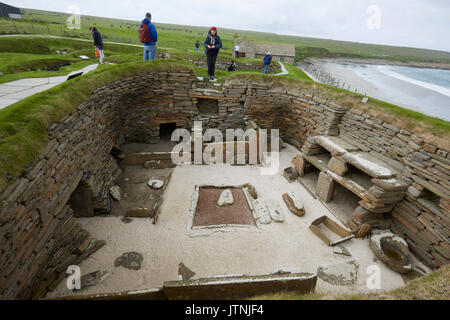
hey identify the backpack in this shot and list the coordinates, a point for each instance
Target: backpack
(144, 35)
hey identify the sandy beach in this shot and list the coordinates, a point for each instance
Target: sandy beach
(381, 82)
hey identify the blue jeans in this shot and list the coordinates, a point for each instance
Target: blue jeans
(196, 49)
(149, 52)
(266, 66)
(102, 56)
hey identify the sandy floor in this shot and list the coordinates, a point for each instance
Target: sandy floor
(271, 247)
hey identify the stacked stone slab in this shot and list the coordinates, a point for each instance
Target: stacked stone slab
(378, 196)
(422, 218)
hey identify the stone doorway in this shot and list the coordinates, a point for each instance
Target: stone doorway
(81, 201)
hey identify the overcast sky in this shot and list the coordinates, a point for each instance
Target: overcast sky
(414, 23)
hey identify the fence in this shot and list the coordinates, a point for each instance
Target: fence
(327, 78)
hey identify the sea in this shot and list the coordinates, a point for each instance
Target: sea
(420, 89)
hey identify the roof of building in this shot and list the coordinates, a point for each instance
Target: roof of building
(274, 48)
(5, 9)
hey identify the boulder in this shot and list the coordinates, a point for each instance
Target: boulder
(275, 210)
(129, 260)
(392, 250)
(290, 174)
(293, 203)
(155, 184)
(337, 166)
(93, 279)
(363, 230)
(299, 165)
(339, 249)
(252, 191)
(325, 187)
(225, 199)
(115, 192)
(185, 272)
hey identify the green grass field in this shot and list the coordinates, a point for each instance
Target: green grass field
(183, 37)
(23, 125)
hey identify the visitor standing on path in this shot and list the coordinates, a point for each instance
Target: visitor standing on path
(267, 61)
(148, 36)
(212, 44)
(98, 42)
(197, 46)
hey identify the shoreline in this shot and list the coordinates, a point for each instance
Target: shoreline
(424, 65)
(368, 80)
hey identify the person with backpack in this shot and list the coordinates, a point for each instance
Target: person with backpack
(148, 36)
(197, 46)
(212, 45)
(98, 42)
(267, 61)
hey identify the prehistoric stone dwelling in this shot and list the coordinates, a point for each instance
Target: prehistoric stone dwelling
(399, 179)
(279, 52)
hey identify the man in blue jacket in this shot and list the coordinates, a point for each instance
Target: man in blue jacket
(98, 42)
(150, 47)
(212, 45)
(267, 61)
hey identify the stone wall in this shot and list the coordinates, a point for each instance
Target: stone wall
(39, 236)
(423, 217)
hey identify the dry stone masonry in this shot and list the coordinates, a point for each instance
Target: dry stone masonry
(399, 176)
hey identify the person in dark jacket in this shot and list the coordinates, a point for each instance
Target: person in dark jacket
(197, 46)
(232, 66)
(212, 45)
(267, 61)
(98, 43)
(150, 47)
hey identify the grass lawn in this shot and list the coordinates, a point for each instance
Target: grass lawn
(28, 57)
(184, 37)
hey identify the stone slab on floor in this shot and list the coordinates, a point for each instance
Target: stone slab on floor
(341, 274)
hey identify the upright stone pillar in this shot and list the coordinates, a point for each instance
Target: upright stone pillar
(325, 187)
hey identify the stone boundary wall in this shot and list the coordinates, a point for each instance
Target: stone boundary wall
(39, 236)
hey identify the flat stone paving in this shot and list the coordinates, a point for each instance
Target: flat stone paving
(14, 91)
(265, 250)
